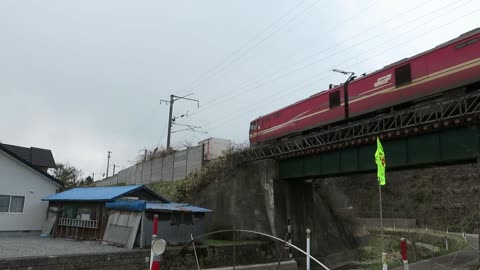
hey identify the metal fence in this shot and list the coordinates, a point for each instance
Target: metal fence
(434, 115)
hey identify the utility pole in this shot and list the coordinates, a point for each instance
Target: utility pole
(113, 169)
(172, 100)
(108, 162)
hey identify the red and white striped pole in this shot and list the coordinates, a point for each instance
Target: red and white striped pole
(403, 250)
(154, 237)
(155, 263)
(158, 248)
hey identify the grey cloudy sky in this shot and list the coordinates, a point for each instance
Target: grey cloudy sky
(85, 77)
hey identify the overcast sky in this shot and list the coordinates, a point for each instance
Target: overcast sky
(85, 77)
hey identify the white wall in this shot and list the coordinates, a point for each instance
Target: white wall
(174, 166)
(215, 147)
(20, 180)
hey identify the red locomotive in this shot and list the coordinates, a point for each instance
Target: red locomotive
(451, 65)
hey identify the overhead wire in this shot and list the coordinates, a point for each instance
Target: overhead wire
(269, 35)
(366, 59)
(332, 28)
(211, 105)
(336, 53)
(382, 52)
(244, 47)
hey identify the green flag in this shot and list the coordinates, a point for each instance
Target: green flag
(381, 163)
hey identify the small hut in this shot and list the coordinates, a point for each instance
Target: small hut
(120, 215)
(81, 213)
(176, 221)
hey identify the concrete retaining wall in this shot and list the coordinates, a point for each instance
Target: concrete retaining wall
(175, 166)
(436, 196)
(388, 222)
(287, 265)
(209, 257)
(130, 260)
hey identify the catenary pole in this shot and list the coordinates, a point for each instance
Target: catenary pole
(169, 135)
(171, 119)
(108, 163)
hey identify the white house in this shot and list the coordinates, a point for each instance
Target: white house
(22, 186)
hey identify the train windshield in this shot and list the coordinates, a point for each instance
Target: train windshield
(253, 126)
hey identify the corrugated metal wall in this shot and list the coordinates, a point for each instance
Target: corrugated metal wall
(169, 168)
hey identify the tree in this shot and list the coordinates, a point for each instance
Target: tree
(85, 182)
(88, 180)
(67, 174)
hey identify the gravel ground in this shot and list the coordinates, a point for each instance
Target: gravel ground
(25, 246)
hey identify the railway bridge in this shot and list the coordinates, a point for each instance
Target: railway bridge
(326, 179)
(438, 132)
(322, 179)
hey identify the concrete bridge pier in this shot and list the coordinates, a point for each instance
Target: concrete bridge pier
(307, 208)
(253, 197)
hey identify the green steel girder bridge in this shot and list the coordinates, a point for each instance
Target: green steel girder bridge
(439, 132)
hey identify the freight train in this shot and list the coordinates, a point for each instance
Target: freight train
(453, 66)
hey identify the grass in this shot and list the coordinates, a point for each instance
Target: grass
(369, 253)
(183, 189)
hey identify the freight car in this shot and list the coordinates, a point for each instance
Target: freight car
(451, 66)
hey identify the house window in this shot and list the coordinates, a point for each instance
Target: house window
(403, 75)
(4, 203)
(334, 99)
(13, 204)
(16, 204)
(69, 212)
(84, 214)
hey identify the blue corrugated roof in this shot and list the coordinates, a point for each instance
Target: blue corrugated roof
(97, 193)
(176, 207)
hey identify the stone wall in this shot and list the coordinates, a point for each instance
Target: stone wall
(253, 198)
(129, 260)
(436, 196)
(209, 257)
(220, 256)
(244, 199)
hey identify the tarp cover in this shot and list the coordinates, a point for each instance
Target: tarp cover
(133, 206)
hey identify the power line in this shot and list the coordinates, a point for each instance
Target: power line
(264, 82)
(381, 52)
(246, 43)
(332, 28)
(242, 52)
(343, 22)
